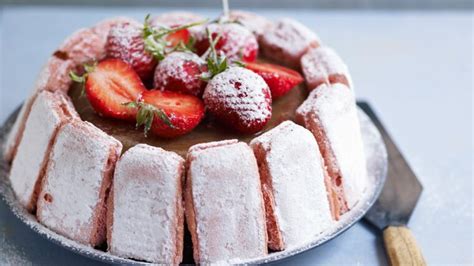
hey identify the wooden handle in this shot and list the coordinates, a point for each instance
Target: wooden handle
(401, 247)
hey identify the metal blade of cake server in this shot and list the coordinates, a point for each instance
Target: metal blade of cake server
(401, 190)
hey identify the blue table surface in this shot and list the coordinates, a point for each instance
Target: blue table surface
(415, 68)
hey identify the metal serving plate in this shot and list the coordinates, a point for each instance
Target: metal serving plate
(376, 156)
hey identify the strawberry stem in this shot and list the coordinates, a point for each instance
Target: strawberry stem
(146, 115)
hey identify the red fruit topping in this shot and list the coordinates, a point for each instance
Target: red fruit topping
(280, 79)
(183, 112)
(125, 42)
(240, 99)
(181, 72)
(180, 36)
(235, 41)
(111, 84)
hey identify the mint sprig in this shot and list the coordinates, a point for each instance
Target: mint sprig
(146, 114)
(155, 38)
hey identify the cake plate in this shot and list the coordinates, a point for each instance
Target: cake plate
(376, 158)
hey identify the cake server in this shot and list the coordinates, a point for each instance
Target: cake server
(393, 209)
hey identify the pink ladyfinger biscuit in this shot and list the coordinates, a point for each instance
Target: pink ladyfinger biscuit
(145, 216)
(257, 24)
(54, 77)
(223, 203)
(48, 113)
(177, 18)
(83, 46)
(330, 114)
(292, 174)
(287, 41)
(72, 201)
(323, 65)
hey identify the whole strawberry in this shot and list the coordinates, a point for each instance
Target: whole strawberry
(235, 41)
(240, 99)
(181, 72)
(125, 42)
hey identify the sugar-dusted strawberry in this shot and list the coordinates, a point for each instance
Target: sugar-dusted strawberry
(235, 41)
(108, 85)
(240, 99)
(125, 41)
(181, 72)
(280, 79)
(168, 114)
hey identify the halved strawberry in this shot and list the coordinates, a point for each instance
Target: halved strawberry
(111, 84)
(180, 36)
(174, 114)
(280, 79)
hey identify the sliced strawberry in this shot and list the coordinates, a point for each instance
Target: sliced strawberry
(184, 112)
(280, 79)
(111, 84)
(180, 36)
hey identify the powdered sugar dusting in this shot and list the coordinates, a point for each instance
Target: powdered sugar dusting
(11, 255)
(228, 202)
(323, 65)
(296, 177)
(175, 67)
(243, 92)
(146, 191)
(177, 18)
(334, 107)
(73, 180)
(253, 22)
(42, 124)
(54, 75)
(103, 27)
(125, 42)
(83, 46)
(287, 41)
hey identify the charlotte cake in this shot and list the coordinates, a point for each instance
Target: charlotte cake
(205, 107)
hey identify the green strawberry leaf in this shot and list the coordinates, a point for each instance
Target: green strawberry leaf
(146, 115)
